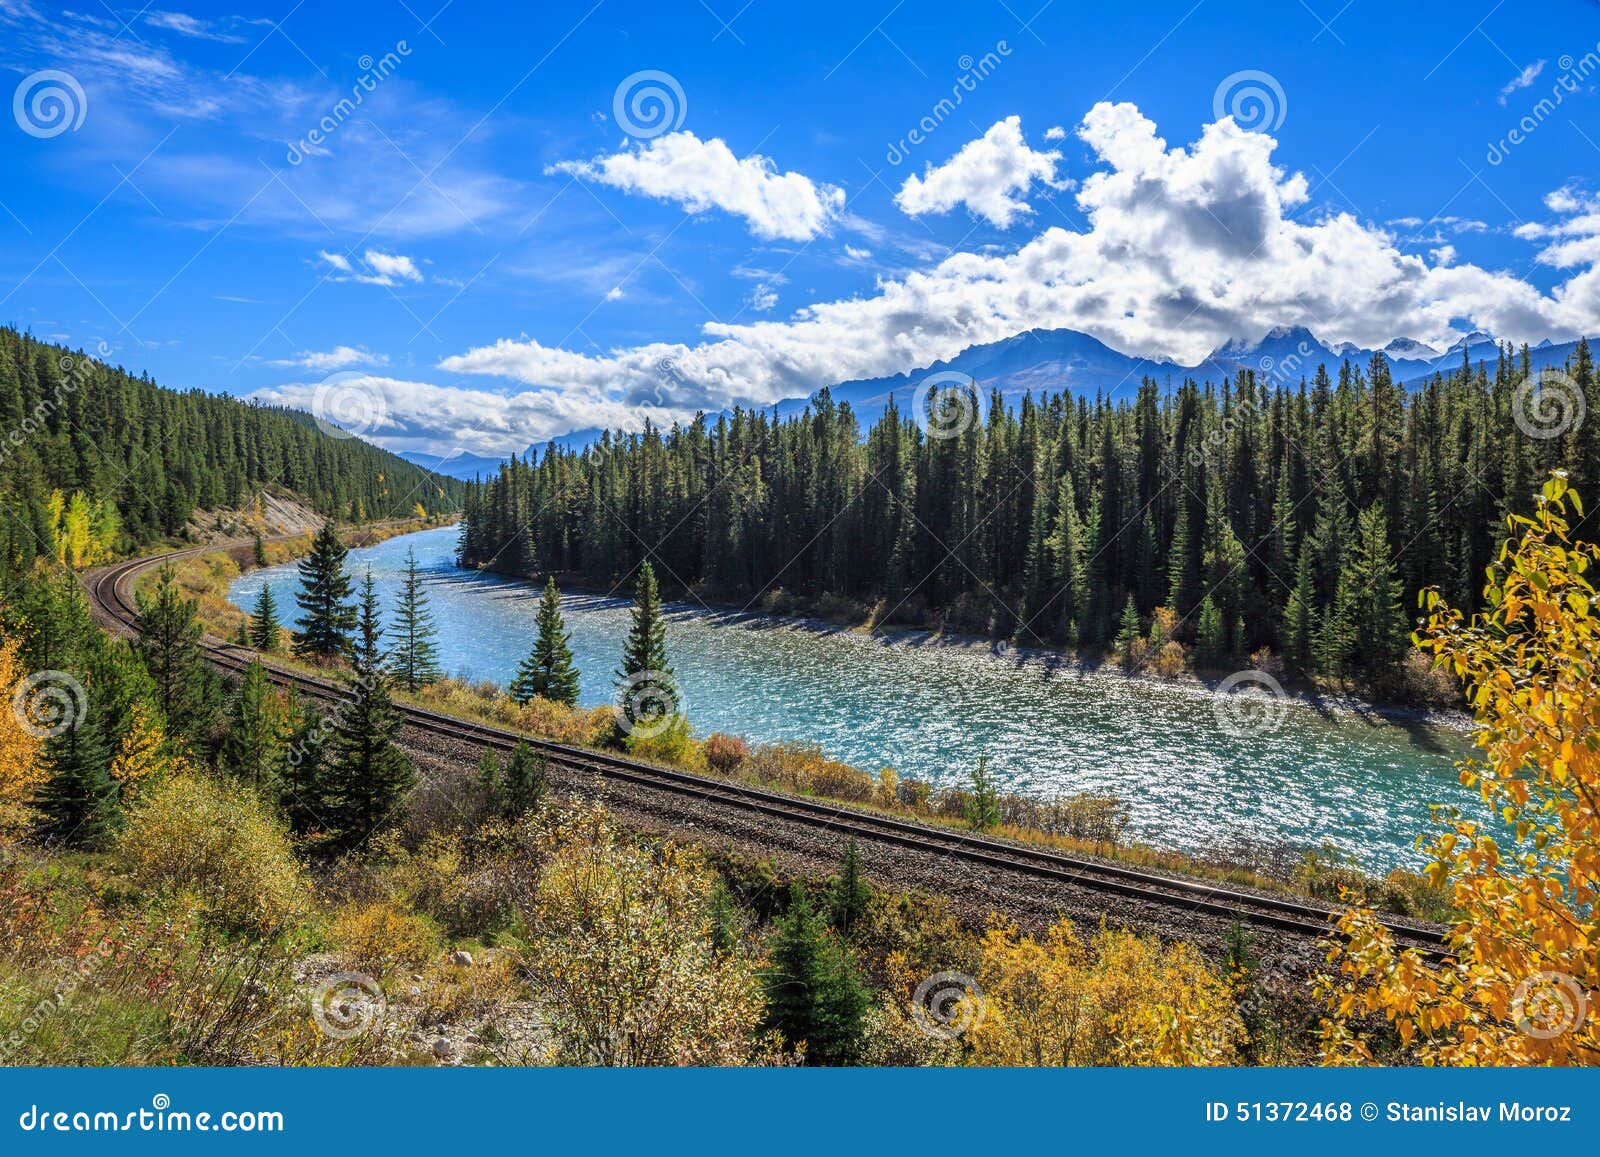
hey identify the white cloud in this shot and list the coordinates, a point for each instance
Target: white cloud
(857, 253)
(185, 25)
(762, 298)
(436, 419)
(702, 175)
(376, 268)
(1522, 80)
(986, 176)
(1055, 133)
(338, 358)
(1185, 248)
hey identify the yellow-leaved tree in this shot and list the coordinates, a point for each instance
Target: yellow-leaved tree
(1520, 987)
(21, 771)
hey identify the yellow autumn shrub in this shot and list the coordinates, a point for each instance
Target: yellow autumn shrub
(379, 936)
(620, 950)
(190, 836)
(1121, 999)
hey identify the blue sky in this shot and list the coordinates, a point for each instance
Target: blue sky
(485, 254)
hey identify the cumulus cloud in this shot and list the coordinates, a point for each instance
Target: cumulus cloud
(987, 176)
(375, 267)
(1522, 80)
(1184, 248)
(704, 175)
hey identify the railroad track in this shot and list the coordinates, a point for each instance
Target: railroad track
(111, 592)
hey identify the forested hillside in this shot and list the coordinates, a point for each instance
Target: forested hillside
(93, 458)
(1297, 515)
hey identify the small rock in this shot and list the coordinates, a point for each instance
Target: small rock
(473, 1038)
(462, 957)
(417, 976)
(415, 991)
(442, 1049)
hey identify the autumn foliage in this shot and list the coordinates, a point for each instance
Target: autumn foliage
(20, 770)
(1526, 971)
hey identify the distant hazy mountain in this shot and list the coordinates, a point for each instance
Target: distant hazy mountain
(1047, 360)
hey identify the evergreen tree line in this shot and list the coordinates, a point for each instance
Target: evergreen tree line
(72, 424)
(1297, 516)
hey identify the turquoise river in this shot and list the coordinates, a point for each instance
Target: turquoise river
(1196, 774)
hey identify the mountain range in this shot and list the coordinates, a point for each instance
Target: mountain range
(1045, 360)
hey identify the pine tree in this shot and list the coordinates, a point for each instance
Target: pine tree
(645, 648)
(253, 746)
(983, 799)
(644, 656)
(526, 779)
(1373, 596)
(186, 688)
(78, 803)
(264, 625)
(813, 994)
(1128, 634)
(329, 616)
(368, 775)
(414, 661)
(548, 671)
(851, 893)
(302, 767)
(490, 785)
(1299, 617)
(1210, 635)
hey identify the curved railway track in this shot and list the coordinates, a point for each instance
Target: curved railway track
(110, 591)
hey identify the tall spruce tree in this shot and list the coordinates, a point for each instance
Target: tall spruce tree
(813, 994)
(368, 776)
(264, 624)
(525, 781)
(548, 671)
(78, 803)
(186, 688)
(414, 658)
(646, 646)
(328, 616)
(850, 894)
(252, 748)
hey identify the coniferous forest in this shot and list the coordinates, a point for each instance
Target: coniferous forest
(97, 459)
(1301, 516)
